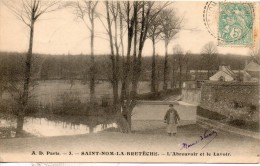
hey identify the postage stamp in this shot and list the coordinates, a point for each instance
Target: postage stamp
(236, 24)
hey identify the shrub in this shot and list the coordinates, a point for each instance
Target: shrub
(68, 103)
(105, 101)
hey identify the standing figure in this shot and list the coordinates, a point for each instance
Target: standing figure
(172, 118)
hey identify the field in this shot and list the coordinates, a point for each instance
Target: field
(47, 92)
(50, 92)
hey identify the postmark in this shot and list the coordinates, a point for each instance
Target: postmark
(210, 17)
(236, 24)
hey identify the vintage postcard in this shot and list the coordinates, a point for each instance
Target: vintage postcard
(129, 81)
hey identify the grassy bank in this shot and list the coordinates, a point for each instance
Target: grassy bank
(239, 123)
(161, 95)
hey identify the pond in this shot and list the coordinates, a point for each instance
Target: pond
(57, 126)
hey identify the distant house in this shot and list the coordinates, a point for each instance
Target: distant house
(199, 74)
(253, 69)
(224, 74)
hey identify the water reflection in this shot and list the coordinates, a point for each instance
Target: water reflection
(58, 126)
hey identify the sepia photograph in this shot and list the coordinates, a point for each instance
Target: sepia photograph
(129, 81)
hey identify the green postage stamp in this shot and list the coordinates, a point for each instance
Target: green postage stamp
(236, 24)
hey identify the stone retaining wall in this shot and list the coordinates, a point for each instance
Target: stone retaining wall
(237, 100)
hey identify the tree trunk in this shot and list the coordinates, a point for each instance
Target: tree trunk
(115, 64)
(180, 80)
(153, 77)
(125, 97)
(186, 73)
(121, 28)
(157, 75)
(127, 115)
(143, 34)
(117, 74)
(135, 61)
(173, 75)
(92, 66)
(165, 73)
(123, 53)
(208, 74)
(122, 123)
(130, 29)
(27, 77)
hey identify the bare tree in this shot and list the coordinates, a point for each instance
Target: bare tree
(209, 56)
(121, 28)
(113, 8)
(171, 24)
(178, 52)
(186, 62)
(149, 12)
(153, 34)
(144, 14)
(126, 101)
(255, 54)
(29, 12)
(86, 12)
(174, 68)
(138, 17)
(124, 11)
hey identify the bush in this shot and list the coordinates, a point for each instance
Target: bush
(105, 101)
(11, 106)
(68, 103)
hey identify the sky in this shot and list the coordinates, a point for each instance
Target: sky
(60, 33)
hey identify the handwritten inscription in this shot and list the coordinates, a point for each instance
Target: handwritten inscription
(208, 135)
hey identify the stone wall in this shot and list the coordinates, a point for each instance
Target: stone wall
(191, 96)
(191, 92)
(238, 100)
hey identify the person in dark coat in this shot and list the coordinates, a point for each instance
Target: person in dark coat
(172, 118)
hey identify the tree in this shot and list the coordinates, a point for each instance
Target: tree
(149, 12)
(186, 62)
(136, 16)
(143, 14)
(153, 34)
(171, 24)
(86, 12)
(126, 102)
(174, 68)
(209, 56)
(29, 12)
(179, 56)
(255, 54)
(114, 9)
